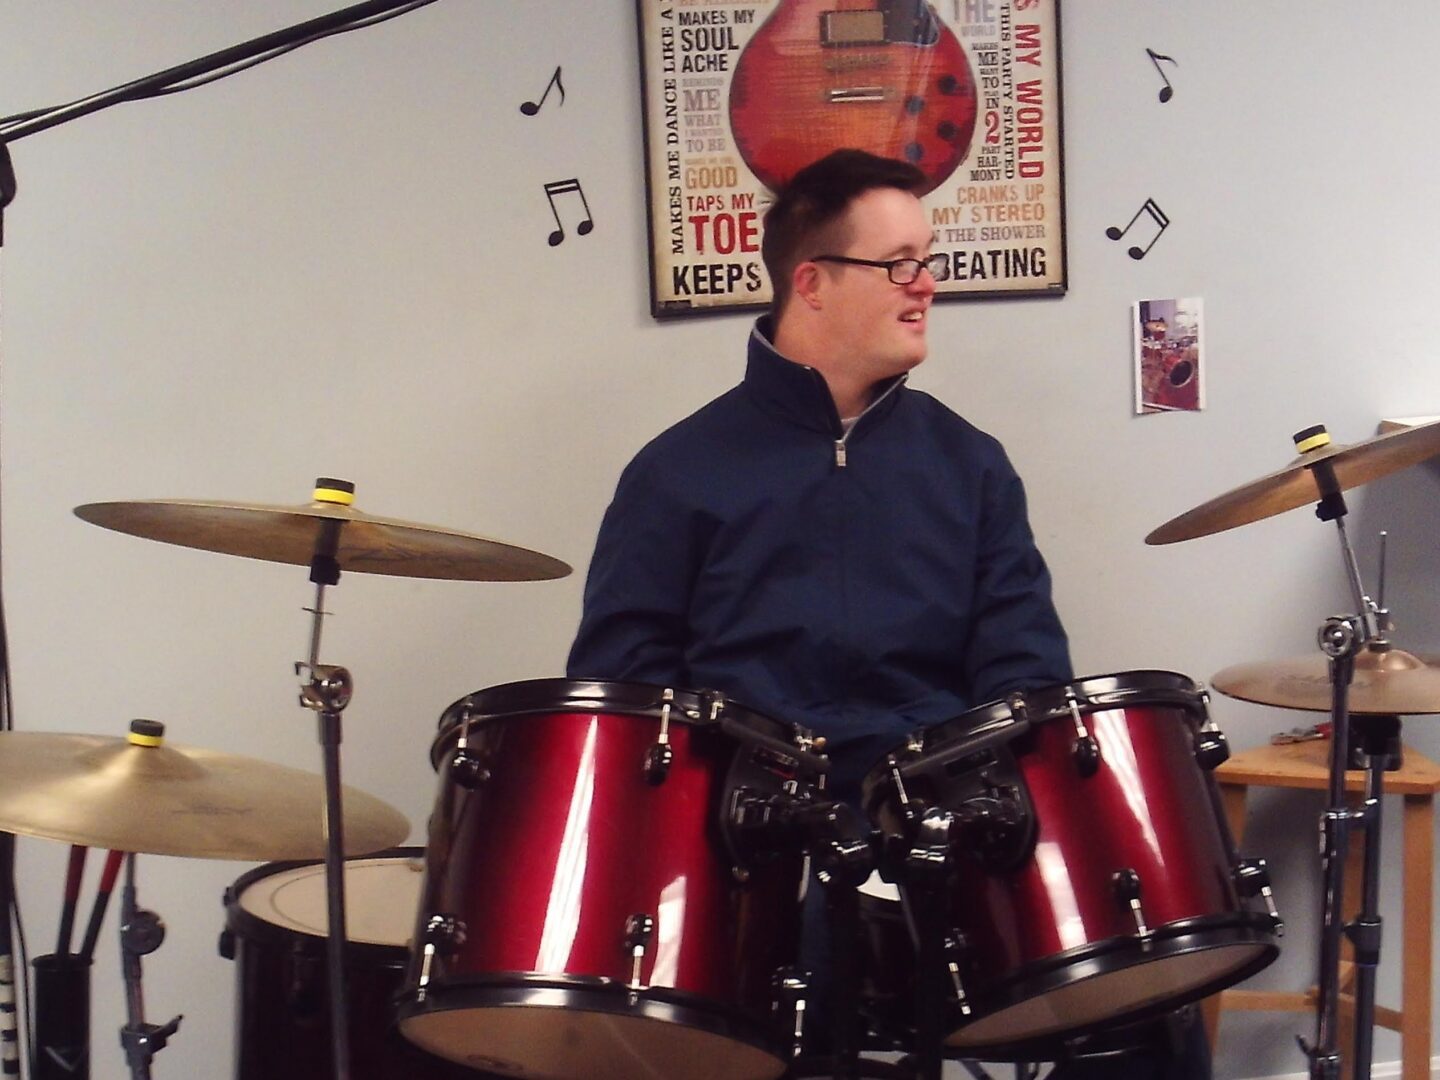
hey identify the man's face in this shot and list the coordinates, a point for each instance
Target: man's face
(877, 327)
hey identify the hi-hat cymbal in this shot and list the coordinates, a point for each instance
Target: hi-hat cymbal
(1387, 682)
(1295, 485)
(111, 792)
(288, 534)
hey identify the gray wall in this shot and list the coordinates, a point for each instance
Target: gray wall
(335, 264)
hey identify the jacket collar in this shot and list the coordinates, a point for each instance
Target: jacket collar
(796, 392)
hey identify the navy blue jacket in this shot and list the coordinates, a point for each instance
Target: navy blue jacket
(860, 585)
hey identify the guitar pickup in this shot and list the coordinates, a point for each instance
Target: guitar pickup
(858, 93)
(840, 28)
(895, 22)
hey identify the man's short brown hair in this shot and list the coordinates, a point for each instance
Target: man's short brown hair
(808, 214)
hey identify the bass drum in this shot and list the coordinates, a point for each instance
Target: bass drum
(587, 909)
(275, 926)
(1116, 897)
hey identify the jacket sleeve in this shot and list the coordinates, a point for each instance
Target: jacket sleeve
(635, 623)
(1016, 639)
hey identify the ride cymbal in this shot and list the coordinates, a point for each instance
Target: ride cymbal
(138, 795)
(1387, 682)
(291, 534)
(1295, 485)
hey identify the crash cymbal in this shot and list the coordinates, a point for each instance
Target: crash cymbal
(155, 797)
(288, 534)
(1387, 682)
(1295, 485)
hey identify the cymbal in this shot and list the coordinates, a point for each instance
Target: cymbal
(288, 534)
(1387, 682)
(110, 792)
(1295, 485)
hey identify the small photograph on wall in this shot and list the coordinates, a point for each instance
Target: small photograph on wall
(1169, 364)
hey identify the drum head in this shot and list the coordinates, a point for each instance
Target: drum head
(550, 1034)
(1087, 1002)
(382, 894)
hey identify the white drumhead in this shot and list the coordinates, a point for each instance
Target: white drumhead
(382, 895)
(879, 888)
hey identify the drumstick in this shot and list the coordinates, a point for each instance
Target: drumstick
(102, 900)
(72, 894)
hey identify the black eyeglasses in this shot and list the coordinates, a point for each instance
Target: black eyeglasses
(901, 271)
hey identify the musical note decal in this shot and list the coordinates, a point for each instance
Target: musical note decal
(530, 108)
(1156, 215)
(564, 187)
(1168, 91)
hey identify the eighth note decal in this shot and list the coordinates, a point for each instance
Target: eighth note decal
(1167, 91)
(530, 108)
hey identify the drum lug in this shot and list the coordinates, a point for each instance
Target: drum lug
(661, 756)
(441, 936)
(714, 705)
(956, 945)
(790, 986)
(1126, 884)
(466, 769)
(1086, 749)
(227, 944)
(639, 929)
(1252, 878)
(1211, 748)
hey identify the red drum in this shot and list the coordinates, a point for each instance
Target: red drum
(275, 926)
(1094, 880)
(588, 908)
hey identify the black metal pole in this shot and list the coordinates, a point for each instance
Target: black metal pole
(1339, 641)
(248, 50)
(1378, 736)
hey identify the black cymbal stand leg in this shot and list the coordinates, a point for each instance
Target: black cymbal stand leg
(1379, 738)
(326, 693)
(1340, 642)
(141, 933)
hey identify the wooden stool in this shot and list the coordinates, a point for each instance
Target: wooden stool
(1307, 765)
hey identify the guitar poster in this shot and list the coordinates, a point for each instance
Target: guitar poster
(739, 94)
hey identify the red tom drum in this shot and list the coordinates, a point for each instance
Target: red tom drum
(586, 910)
(1114, 894)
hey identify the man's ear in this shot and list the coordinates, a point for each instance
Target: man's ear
(805, 284)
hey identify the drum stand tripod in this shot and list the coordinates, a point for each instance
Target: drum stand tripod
(141, 933)
(1341, 638)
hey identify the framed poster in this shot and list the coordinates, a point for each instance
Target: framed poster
(739, 94)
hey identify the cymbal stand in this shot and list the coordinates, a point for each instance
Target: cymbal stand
(141, 933)
(1341, 638)
(326, 693)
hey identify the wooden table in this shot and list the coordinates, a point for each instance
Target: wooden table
(1307, 765)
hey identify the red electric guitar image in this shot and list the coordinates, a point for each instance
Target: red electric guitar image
(881, 75)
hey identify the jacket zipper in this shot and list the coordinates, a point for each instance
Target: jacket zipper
(840, 453)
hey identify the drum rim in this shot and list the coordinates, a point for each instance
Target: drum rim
(1059, 970)
(531, 697)
(935, 736)
(248, 926)
(517, 989)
